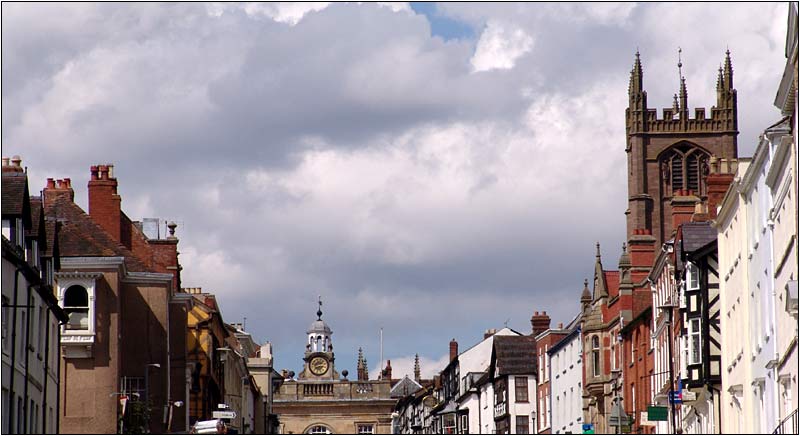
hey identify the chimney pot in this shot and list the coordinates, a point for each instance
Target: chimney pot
(6, 161)
(560, 325)
(51, 184)
(16, 161)
(93, 171)
(103, 172)
(110, 171)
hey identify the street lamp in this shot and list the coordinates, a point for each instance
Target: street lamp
(147, 389)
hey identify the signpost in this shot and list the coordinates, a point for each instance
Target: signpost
(224, 414)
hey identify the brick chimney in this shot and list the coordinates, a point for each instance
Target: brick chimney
(387, 372)
(104, 202)
(489, 333)
(539, 323)
(453, 349)
(56, 189)
(13, 165)
(721, 175)
(683, 207)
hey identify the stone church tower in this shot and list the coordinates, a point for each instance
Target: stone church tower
(669, 157)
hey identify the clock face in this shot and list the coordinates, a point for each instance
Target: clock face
(318, 365)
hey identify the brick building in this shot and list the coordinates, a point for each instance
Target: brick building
(120, 289)
(668, 163)
(545, 339)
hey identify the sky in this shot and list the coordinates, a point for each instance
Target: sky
(434, 170)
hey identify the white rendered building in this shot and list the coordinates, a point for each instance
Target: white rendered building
(566, 383)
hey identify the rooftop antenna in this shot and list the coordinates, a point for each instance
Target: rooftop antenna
(244, 324)
(506, 322)
(380, 368)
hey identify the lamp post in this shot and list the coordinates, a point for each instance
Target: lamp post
(147, 390)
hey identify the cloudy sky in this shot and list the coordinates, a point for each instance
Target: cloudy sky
(435, 170)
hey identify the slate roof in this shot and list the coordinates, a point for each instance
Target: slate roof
(14, 189)
(515, 355)
(404, 387)
(697, 236)
(80, 236)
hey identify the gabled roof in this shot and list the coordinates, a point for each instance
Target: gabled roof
(514, 355)
(611, 279)
(404, 387)
(15, 193)
(37, 227)
(696, 236)
(80, 236)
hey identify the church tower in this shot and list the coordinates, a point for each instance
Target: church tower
(319, 357)
(668, 157)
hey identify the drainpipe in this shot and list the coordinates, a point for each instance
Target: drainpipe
(46, 367)
(27, 361)
(169, 362)
(13, 418)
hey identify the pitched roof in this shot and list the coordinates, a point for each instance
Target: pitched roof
(80, 236)
(697, 235)
(515, 355)
(404, 387)
(15, 188)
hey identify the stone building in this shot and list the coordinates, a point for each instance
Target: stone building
(320, 400)
(31, 314)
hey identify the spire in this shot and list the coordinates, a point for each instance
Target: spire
(682, 97)
(719, 79)
(319, 309)
(635, 85)
(624, 258)
(586, 294)
(727, 78)
(416, 368)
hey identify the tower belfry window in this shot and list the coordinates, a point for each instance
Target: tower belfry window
(683, 168)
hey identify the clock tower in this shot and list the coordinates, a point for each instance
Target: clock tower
(319, 351)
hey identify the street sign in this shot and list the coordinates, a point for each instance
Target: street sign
(224, 414)
(689, 395)
(657, 413)
(588, 428)
(675, 397)
(222, 406)
(644, 420)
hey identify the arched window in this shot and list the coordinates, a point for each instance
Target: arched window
(595, 356)
(76, 305)
(319, 429)
(684, 167)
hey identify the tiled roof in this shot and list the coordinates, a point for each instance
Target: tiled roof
(697, 236)
(36, 217)
(515, 354)
(80, 236)
(14, 188)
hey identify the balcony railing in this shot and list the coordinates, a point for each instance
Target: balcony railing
(500, 410)
(788, 425)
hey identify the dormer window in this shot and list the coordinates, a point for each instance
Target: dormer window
(76, 305)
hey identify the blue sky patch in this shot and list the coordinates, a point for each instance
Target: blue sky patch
(444, 27)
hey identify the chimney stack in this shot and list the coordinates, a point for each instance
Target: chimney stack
(58, 188)
(539, 323)
(104, 202)
(683, 207)
(453, 349)
(489, 333)
(720, 176)
(13, 165)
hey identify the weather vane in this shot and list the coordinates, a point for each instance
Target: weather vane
(319, 310)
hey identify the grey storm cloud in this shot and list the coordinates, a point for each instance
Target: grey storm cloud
(431, 187)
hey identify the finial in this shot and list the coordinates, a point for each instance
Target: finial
(585, 283)
(319, 309)
(624, 247)
(680, 64)
(598, 250)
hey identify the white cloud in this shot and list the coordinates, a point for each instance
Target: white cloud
(499, 46)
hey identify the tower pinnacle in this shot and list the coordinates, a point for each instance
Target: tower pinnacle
(319, 308)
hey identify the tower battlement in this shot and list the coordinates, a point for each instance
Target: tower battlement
(639, 118)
